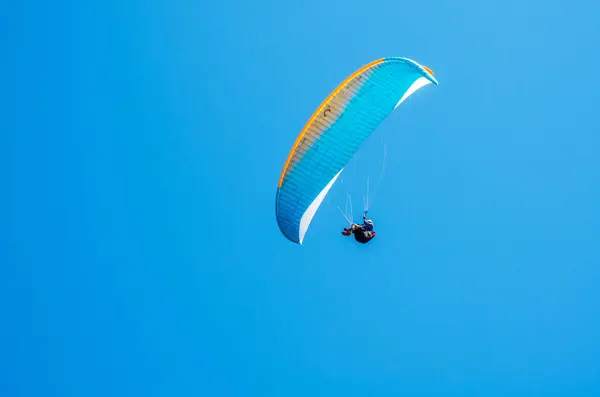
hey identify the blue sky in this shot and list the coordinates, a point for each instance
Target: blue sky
(140, 152)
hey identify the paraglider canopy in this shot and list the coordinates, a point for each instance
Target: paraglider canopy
(336, 131)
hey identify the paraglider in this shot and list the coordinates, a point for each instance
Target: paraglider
(335, 132)
(362, 233)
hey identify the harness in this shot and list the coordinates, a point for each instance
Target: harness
(364, 236)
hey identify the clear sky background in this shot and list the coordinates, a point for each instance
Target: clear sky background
(140, 149)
